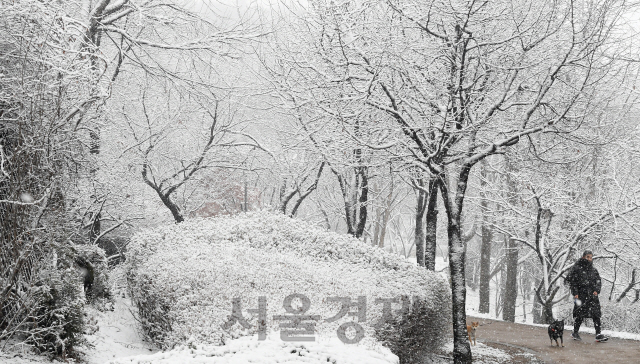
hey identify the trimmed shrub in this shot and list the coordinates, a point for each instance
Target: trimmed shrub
(622, 317)
(56, 323)
(52, 306)
(53, 319)
(416, 331)
(183, 279)
(154, 312)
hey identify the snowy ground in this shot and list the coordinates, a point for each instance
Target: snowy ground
(117, 335)
(271, 350)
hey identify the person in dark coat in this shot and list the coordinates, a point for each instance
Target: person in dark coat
(585, 283)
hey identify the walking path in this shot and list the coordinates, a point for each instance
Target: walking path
(536, 339)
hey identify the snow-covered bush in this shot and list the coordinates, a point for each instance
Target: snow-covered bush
(56, 322)
(53, 319)
(154, 310)
(413, 334)
(615, 316)
(184, 279)
(51, 307)
(621, 317)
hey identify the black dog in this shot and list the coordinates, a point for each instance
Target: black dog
(555, 330)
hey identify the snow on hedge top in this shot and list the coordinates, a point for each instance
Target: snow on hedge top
(275, 231)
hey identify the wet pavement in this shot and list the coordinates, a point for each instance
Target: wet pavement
(536, 340)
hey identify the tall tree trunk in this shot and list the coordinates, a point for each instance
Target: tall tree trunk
(419, 227)
(348, 203)
(485, 269)
(94, 229)
(432, 225)
(363, 198)
(547, 312)
(485, 248)
(378, 217)
(387, 213)
(545, 303)
(355, 194)
(383, 228)
(511, 282)
(536, 311)
(457, 258)
(376, 227)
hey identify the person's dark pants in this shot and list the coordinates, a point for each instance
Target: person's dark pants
(578, 322)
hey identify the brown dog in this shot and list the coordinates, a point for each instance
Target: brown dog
(471, 331)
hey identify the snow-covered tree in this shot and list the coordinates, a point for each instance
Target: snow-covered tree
(453, 83)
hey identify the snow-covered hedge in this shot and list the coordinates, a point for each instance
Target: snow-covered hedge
(620, 317)
(183, 278)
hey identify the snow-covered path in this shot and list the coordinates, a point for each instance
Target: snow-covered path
(117, 335)
(535, 338)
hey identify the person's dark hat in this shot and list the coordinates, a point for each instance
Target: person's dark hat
(587, 252)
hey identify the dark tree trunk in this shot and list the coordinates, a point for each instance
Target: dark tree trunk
(355, 200)
(165, 197)
(485, 248)
(511, 256)
(511, 282)
(432, 225)
(545, 304)
(485, 269)
(547, 313)
(382, 216)
(419, 227)
(94, 230)
(536, 312)
(457, 258)
(175, 210)
(362, 202)
(286, 197)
